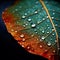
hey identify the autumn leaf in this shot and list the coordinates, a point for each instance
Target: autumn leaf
(35, 24)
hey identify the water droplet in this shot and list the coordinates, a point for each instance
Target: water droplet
(52, 17)
(29, 19)
(16, 9)
(46, 50)
(20, 6)
(33, 25)
(37, 2)
(53, 29)
(46, 2)
(47, 17)
(56, 41)
(53, 10)
(24, 26)
(35, 30)
(16, 31)
(42, 37)
(49, 56)
(42, 8)
(12, 30)
(23, 16)
(2, 12)
(22, 45)
(58, 48)
(51, 39)
(40, 46)
(43, 18)
(53, 51)
(48, 20)
(23, 39)
(22, 35)
(49, 44)
(32, 35)
(25, 13)
(28, 47)
(38, 22)
(36, 12)
(43, 31)
(56, 24)
(53, 34)
(53, 13)
(47, 32)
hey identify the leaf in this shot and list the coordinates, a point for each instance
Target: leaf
(35, 24)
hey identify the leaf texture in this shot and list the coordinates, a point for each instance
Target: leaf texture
(35, 24)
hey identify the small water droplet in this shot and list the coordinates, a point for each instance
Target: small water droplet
(23, 39)
(16, 31)
(47, 32)
(42, 37)
(53, 51)
(46, 2)
(56, 24)
(35, 30)
(53, 34)
(53, 13)
(47, 17)
(48, 20)
(53, 10)
(52, 17)
(49, 44)
(46, 50)
(36, 12)
(28, 47)
(23, 16)
(33, 25)
(38, 22)
(51, 39)
(12, 30)
(53, 29)
(20, 6)
(29, 19)
(43, 31)
(22, 45)
(25, 13)
(16, 9)
(43, 18)
(37, 2)
(22, 35)
(24, 26)
(56, 41)
(32, 35)
(40, 46)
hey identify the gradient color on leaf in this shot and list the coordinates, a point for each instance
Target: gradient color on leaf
(35, 24)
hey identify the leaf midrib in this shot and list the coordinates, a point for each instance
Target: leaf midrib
(45, 8)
